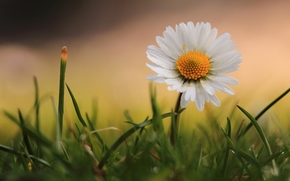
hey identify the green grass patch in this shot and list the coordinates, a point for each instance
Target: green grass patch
(145, 151)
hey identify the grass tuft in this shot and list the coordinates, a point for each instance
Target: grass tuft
(146, 150)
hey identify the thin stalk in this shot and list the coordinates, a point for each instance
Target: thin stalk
(175, 121)
(36, 107)
(36, 104)
(63, 61)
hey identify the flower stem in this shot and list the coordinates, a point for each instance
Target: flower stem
(175, 121)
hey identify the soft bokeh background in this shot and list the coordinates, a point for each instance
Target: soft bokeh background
(107, 41)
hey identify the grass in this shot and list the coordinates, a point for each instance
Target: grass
(146, 151)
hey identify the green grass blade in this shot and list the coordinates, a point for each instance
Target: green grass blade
(24, 134)
(240, 153)
(126, 135)
(63, 62)
(157, 120)
(37, 108)
(29, 130)
(229, 127)
(14, 152)
(58, 131)
(260, 132)
(65, 152)
(92, 127)
(11, 117)
(94, 112)
(137, 139)
(227, 151)
(273, 157)
(78, 112)
(263, 111)
(36, 104)
(128, 117)
(93, 144)
(272, 103)
(242, 156)
(121, 140)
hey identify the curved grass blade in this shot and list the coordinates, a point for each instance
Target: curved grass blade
(12, 118)
(76, 107)
(121, 140)
(260, 132)
(29, 129)
(263, 111)
(14, 152)
(126, 135)
(241, 157)
(240, 153)
(273, 157)
(258, 128)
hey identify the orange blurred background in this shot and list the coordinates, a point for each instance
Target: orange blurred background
(107, 42)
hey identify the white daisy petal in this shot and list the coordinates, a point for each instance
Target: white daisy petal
(174, 87)
(192, 60)
(182, 37)
(170, 37)
(159, 54)
(156, 78)
(183, 101)
(167, 47)
(188, 94)
(193, 93)
(221, 87)
(226, 79)
(189, 37)
(207, 87)
(162, 71)
(225, 70)
(214, 100)
(203, 34)
(174, 81)
(224, 61)
(199, 101)
(209, 39)
(184, 87)
(161, 62)
(221, 44)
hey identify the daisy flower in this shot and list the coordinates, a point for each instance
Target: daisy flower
(192, 60)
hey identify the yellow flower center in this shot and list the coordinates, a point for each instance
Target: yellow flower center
(193, 65)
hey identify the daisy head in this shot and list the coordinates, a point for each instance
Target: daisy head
(192, 60)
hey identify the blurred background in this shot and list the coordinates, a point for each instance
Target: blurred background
(107, 41)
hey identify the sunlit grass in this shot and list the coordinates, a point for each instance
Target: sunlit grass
(222, 144)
